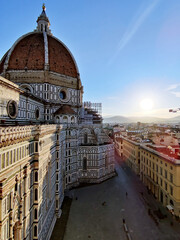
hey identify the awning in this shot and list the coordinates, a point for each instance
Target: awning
(169, 207)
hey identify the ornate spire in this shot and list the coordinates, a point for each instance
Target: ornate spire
(43, 21)
(43, 7)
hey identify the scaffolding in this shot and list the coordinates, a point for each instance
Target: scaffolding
(97, 107)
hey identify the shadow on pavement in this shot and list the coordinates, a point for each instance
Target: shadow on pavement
(60, 226)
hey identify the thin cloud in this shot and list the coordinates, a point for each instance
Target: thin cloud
(173, 86)
(177, 94)
(134, 28)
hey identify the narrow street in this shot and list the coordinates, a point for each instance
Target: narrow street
(97, 211)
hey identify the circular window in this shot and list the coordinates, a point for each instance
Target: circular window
(62, 95)
(37, 113)
(12, 109)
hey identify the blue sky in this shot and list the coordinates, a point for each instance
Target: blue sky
(126, 50)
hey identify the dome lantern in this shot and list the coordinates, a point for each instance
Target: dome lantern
(43, 21)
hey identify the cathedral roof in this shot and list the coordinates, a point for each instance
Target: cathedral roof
(39, 50)
(65, 109)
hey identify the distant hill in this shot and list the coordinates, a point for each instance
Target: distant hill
(121, 119)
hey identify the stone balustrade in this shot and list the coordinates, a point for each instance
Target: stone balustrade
(8, 134)
(14, 133)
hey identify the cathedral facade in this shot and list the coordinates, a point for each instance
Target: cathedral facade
(50, 141)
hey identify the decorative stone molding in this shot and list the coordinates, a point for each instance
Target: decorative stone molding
(10, 135)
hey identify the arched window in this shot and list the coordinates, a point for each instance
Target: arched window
(37, 113)
(85, 138)
(36, 194)
(72, 119)
(171, 202)
(57, 204)
(65, 119)
(16, 186)
(57, 119)
(84, 164)
(35, 231)
(36, 176)
(57, 137)
(41, 27)
(45, 28)
(35, 213)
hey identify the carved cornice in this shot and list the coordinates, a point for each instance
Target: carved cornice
(13, 135)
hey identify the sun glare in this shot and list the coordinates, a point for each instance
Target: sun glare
(146, 104)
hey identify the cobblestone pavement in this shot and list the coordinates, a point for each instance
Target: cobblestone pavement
(97, 211)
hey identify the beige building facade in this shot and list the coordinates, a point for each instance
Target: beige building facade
(158, 168)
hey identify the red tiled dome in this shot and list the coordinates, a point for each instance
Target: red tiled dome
(60, 59)
(29, 54)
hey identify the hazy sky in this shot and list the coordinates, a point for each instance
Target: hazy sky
(126, 50)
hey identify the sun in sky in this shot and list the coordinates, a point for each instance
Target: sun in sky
(146, 104)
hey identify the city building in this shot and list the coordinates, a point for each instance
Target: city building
(158, 166)
(49, 140)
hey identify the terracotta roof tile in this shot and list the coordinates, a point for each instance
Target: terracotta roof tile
(65, 109)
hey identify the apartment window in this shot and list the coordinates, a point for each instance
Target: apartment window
(171, 177)
(171, 190)
(156, 168)
(161, 182)
(165, 186)
(165, 174)
(161, 171)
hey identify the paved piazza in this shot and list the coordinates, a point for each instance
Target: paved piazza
(98, 211)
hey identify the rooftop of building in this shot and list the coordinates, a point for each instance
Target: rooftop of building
(171, 151)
